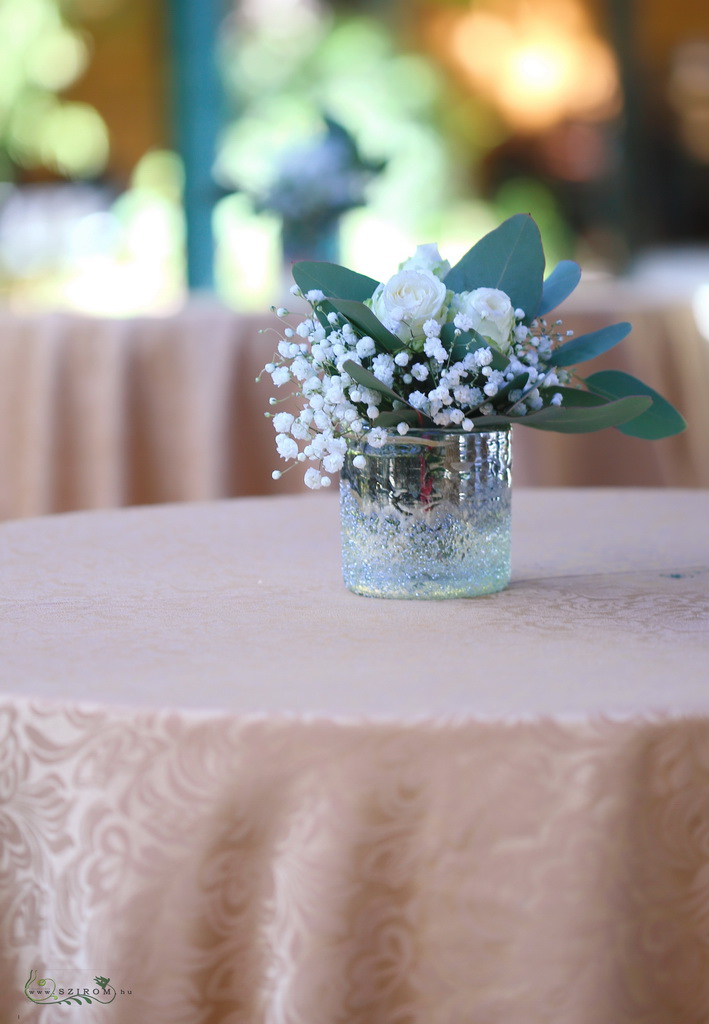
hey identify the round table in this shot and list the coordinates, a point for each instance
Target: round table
(240, 793)
(240, 605)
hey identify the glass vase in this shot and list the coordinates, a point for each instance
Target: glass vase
(428, 516)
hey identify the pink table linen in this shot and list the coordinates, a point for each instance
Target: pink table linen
(243, 794)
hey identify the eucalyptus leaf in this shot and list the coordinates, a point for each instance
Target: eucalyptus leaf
(323, 308)
(367, 379)
(459, 344)
(571, 396)
(364, 320)
(510, 258)
(470, 341)
(585, 419)
(390, 419)
(494, 422)
(559, 285)
(499, 361)
(660, 420)
(333, 280)
(517, 383)
(588, 346)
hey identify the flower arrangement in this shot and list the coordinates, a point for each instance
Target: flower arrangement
(463, 348)
(320, 179)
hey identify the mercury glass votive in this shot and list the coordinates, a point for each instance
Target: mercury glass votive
(428, 516)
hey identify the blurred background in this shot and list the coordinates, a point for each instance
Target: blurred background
(150, 146)
(163, 162)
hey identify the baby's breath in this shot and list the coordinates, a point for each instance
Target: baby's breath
(438, 377)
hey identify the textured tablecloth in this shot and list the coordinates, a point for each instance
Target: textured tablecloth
(243, 794)
(100, 413)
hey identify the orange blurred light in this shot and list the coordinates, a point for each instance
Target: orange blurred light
(537, 67)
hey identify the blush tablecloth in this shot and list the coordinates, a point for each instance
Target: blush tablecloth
(98, 413)
(243, 794)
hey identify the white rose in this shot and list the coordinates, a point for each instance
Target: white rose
(491, 313)
(427, 257)
(408, 300)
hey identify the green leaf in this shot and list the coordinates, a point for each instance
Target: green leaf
(390, 419)
(660, 420)
(494, 422)
(571, 396)
(321, 312)
(333, 280)
(510, 258)
(367, 379)
(517, 383)
(559, 285)
(585, 419)
(459, 345)
(470, 341)
(365, 321)
(588, 346)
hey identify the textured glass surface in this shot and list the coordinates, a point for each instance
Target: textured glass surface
(428, 520)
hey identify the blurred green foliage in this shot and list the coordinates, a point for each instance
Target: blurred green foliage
(289, 72)
(42, 55)
(286, 75)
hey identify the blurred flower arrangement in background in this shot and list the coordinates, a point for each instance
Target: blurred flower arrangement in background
(314, 184)
(295, 67)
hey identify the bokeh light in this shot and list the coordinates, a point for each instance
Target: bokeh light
(57, 58)
(43, 55)
(72, 138)
(536, 64)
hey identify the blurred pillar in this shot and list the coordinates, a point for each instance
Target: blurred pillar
(196, 115)
(635, 172)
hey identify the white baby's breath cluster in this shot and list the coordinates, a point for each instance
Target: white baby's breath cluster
(334, 410)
